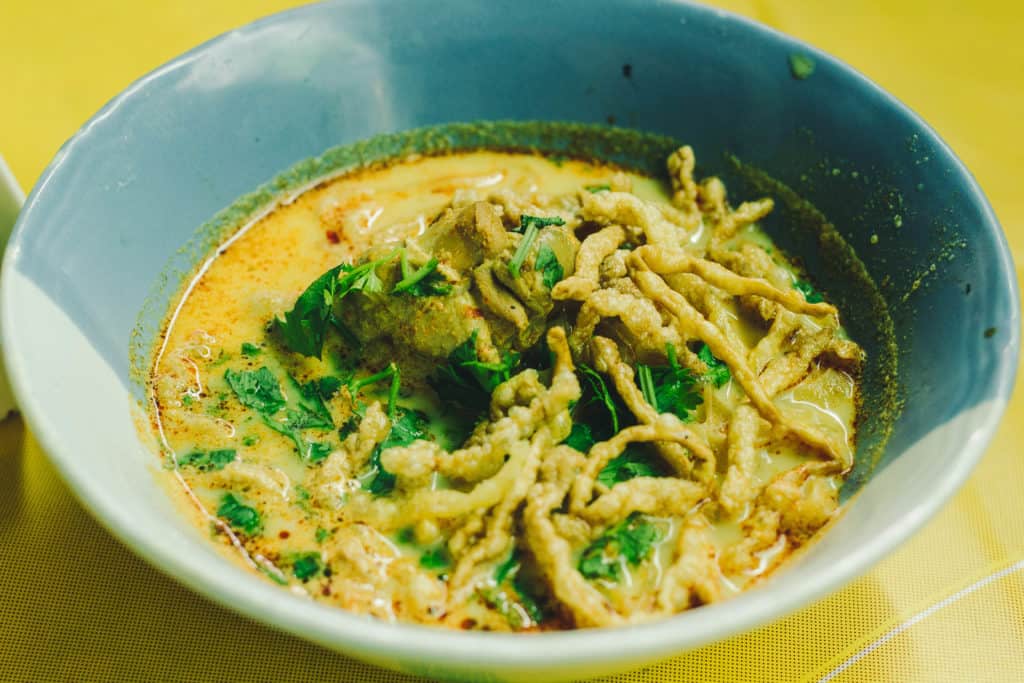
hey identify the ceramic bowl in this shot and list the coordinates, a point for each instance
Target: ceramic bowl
(104, 226)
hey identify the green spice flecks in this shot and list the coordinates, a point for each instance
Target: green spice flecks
(801, 66)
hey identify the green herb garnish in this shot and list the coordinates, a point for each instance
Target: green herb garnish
(581, 438)
(207, 461)
(547, 265)
(306, 565)
(635, 461)
(499, 598)
(435, 559)
(530, 227)
(629, 541)
(406, 426)
(239, 516)
(811, 295)
(671, 389)
(250, 350)
(424, 281)
(321, 534)
(601, 393)
(467, 381)
(303, 327)
(801, 66)
(256, 389)
(594, 189)
(718, 372)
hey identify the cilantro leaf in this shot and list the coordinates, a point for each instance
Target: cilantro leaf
(302, 328)
(207, 461)
(256, 389)
(630, 541)
(435, 558)
(497, 597)
(601, 393)
(317, 452)
(321, 534)
(467, 381)
(717, 372)
(530, 227)
(327, 387)
(635, 461)
(310, 411)
(547, 265)
(424, 281)
(250, 350)
(306, 565)
(581, 438)
(811, 295)
(407, 426)
(671, 389)
(594, 189)
(350, 426)
(383, 482)
(239, 516)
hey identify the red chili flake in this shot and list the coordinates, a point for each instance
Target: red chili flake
(474, 313)
(325, 591)
(332, 237)
(284, 534)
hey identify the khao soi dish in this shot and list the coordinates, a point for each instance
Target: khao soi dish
(503, 392)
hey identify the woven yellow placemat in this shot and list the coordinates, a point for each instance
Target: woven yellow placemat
(948, 606)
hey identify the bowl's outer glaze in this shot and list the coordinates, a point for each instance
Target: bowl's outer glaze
(182, 143)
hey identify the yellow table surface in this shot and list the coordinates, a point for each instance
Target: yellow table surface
(948, 606)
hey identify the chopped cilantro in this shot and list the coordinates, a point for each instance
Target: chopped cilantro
(250, 440)
(435, 558)
(635, 461)
(406, 426)
(310, 411)
(302, 497)
(581, 438)
(499, 598)
(383, 482)
(306, 565)
(718, 372)
(671, 389)
(601, 393)
(424, 281)
(350, 426)
(187, 400)
(467, 381)
(207, 461)
(629, 541)
(303, 327)
(801, 66)
(327, 387)
(594, 189)
(363, 278)
(530, 227)
(250, 349)
(321, 534)
(239, 516)
(317, 452)
(547, 265)
(257, 389)
(811, 295)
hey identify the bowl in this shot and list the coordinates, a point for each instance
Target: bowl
(104, 229)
